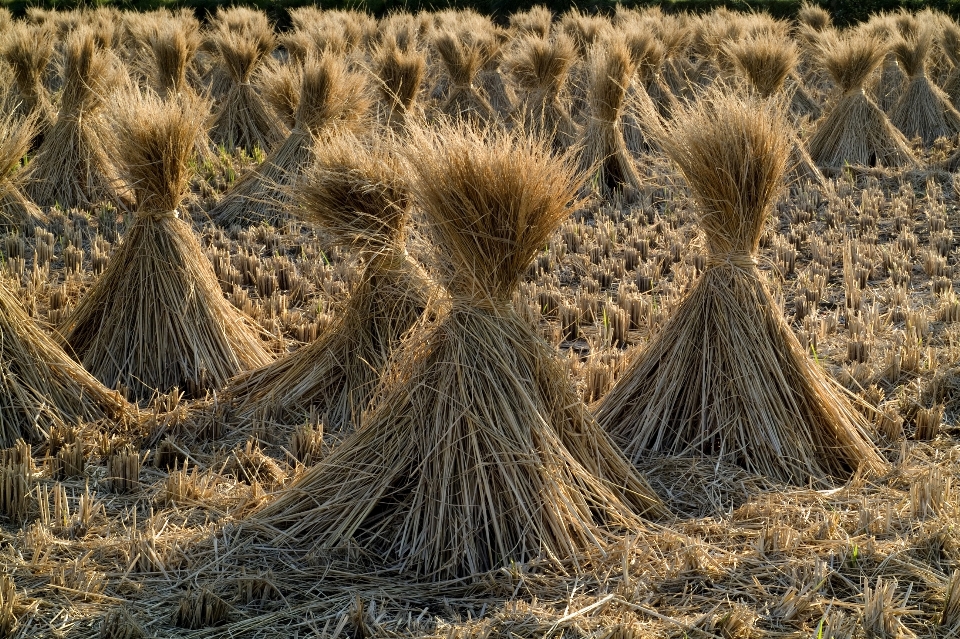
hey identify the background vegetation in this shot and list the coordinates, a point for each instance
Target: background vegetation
(844, 11)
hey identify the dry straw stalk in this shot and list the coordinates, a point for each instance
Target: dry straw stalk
(156, 318)
(355, 194)
(726, 376)
(475, 453)
(16, 211)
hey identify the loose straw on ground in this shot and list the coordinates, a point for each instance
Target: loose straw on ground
(355, 194)
(475, 453)
(156, 318)
(726, 376)
(332, 98)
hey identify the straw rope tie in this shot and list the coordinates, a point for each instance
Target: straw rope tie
(484, 303)
(161, 215)
(741, 260)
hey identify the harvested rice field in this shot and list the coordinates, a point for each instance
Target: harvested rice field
(431, 326)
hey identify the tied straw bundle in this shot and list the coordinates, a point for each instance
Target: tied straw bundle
(400, 72)
(156, 318)
(28, 50)
(242, 118)
(463, 56)
(72, 167)
(923, 110)
(540, 67)
(475, 453)
(332, 99)
(603, 151)
(355, 194)
(16, 211)
(855, 130)
(40, 386)
(726, 376)
(641, 121)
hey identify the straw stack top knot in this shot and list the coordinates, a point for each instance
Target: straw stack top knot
(912, 50)
(492, 199)
(611, 70)
(850, 59)
(765, 60)
(154, 144)
(88, 73)
(355, 191)
(734, 153)
(330, 94)
(539, 63)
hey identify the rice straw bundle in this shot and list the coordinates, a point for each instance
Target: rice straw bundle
(404, 30)
(491, 81)
(536, 21)
(400, 72)
(335, 32)
(603, 152)
(726, 377)
(814, 16)
(540, 67)
(28, 50)
(242, 118)
(332, 98)
(280, 86)
(950, 44)
(923, 110)
(586, 32)
(641, 121)
(355, 194)
(156, 318)
(888, 84)
(648, 55)
(463, 56)
(172, 45)
(676, 35)
(71, 167)
(475, 452)
(40, 386)
(16, 211)
(855, 130)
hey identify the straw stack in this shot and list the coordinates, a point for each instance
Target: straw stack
(16, 211)
(40, 386)
(28, 50)
(540, 66)
(603, 151)
(172, 44)
(242, 118)
(463, 56)
(400, 71)
(923, 110)
(950, 45)
(855, 130)
(355, 195)
(641, 121)
(332, 98)
(72, 167)
(535, 21)
(156, 318)
(726, 376)
(475, 453)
